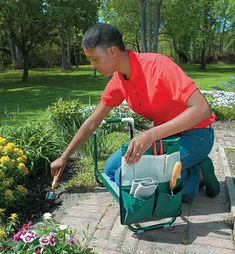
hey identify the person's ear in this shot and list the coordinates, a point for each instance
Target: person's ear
(113, 51)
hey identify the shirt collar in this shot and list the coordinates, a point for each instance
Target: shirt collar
(134, 66)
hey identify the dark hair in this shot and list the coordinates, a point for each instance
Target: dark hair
(103, 35)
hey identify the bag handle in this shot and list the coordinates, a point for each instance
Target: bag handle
(155, 147)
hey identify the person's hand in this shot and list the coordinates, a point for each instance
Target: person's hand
(58, 166)
(138, 146)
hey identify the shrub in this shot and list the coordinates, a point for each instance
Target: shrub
(39, 141)
(66, 115)
(12, 174)
(224, 113)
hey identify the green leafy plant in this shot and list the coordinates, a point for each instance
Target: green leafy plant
(12, 174)
(40, 142)
(47, 237)
(224, 113)
(67, 114)
(7, 227)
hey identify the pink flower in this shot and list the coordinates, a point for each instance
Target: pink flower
(27, 225)
(18, 236)
(72, 240)
(29, 236)
(38, 251)
(44, 240)
(52, 239)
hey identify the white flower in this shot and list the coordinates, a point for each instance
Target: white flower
(63, 227)
(47, 216)
(44, 240)
(29, 236)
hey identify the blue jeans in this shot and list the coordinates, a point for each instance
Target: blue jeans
(195, 145)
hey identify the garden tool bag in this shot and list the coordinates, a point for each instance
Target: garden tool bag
(140, 200)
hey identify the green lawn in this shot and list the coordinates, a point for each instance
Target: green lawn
(46, 85)
(212, 77)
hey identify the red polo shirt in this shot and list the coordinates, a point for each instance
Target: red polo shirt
(158, 89)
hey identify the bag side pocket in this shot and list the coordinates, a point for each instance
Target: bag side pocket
(168, 205)
(136, 210)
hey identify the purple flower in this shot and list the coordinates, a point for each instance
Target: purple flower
(44, 240)
(29, 236)
(52, 239)
(72, 240)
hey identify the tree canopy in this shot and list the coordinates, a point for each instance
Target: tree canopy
(48, 32)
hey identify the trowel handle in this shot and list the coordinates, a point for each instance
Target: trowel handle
(54, 182)
(175, 174)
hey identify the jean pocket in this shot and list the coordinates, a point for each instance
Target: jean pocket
(168, 204)
(136, 210)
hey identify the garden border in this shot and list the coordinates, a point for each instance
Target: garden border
(229, 183)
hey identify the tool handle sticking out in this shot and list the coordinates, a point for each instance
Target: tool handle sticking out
(54, 182)
(175, 174)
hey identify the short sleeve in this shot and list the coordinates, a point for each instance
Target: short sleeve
(112, 95)
(179, 86)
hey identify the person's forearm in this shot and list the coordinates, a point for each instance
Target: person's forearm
(187, 119)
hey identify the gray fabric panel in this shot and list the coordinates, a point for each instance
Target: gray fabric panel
(158, 167)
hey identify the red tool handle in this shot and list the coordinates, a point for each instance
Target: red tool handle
(155, 147)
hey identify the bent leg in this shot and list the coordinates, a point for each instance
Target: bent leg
(195, 145)
(113, 163)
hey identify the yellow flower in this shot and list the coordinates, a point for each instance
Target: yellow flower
(5, 160)
(2, 233)
(21, 189)
(7, 182)
(19, 152)
(9, 194)
(1, 147)
(22, 167)
(1, 174)
(14, 217)
(22, 158)
(9, 148)
(2, 141)
(2, 210)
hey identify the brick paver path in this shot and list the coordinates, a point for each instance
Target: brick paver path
(204, 226)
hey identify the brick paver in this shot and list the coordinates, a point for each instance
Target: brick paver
(203, 227)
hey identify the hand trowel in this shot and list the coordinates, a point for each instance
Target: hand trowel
(51, 194)
(175, 174)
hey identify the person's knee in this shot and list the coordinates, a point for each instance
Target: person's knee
(107, 167)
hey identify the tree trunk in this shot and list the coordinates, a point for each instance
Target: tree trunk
(149, 19)
(157, 24)
(12, 51)
(182, 56)
(25, 77)
(76, 57)
(203, 58)
(69, 54)
(64, 65)
(143, 26)
(191, 54)
(19, 58)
